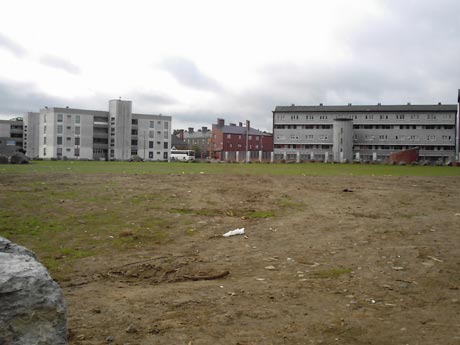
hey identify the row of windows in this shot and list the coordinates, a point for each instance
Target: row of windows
(365, 147)
(60, 118)
(59, 140)
(301, 146)
(369, 117)
(303, 126)
(151, 144)
(134, 153)
(256, 147)
(412, 137)
(234, 136)
(60, 128)
(151, 133)
(76, 151)
(367, 137)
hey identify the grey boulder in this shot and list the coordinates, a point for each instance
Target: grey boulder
(32, 306)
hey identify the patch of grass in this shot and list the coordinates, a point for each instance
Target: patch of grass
(332, 273)
(302, 169)
(198, 212)
(260, 214)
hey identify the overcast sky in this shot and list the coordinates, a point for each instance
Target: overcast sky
(238, 59)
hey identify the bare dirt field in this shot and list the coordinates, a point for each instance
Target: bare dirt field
(324, 260)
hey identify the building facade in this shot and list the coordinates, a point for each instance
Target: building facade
(239, 143)
(197, 140)
(116, 134)
(11, 135)
(364, 133)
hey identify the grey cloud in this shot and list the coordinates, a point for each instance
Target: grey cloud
(59, 63)
(11, 46)
(152, 99)
(188, 74)
(17, 98)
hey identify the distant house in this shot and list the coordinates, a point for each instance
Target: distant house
(239, 143)
(196, 140)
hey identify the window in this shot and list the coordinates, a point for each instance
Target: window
(151, 124)
(151, 145)
(133, 131)
(77, 141)
(309, 136)
(44, 118)
(151, 133)
(133, 152)
(165, 145)
(151, 153)
(77, 152)
(68, 138)
(59, 117)
(44, 151)
(134, 121)
(431, 137)
(250, 137)
(166, 135)
(165, 125)
(77, 119)
(69, 128)
(59, 140)
(134, 142)
(44, 140)
(44, 129)
(67, 149)
(77, 130)
(165, 155)
(229, 136)
(59, 129)
(59, 151)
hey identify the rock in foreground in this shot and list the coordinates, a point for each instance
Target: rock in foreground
(32, 308)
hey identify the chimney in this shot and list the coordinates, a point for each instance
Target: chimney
(241, 124)
(190, 129)
(204, 129)
(220, 122)
(248, 124)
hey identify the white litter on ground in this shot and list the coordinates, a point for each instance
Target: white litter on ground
(234, 232)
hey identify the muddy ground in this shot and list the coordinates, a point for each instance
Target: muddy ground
(324, 260)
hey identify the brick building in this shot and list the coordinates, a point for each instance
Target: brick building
(239, 143)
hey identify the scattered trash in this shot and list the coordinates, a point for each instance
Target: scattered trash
(435, 259)
(398, 268)
(111, 236)
(234, 232)
(457, 215)
(260, 279)
(348, 190)
(201, 172)
(270, 268)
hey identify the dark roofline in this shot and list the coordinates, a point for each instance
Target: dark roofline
(367, 108)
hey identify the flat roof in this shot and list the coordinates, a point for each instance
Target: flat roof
(368, 108)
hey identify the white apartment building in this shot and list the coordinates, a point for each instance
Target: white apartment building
(116, 134)
(365, 132)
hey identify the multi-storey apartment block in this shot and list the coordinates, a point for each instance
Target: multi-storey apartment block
(117, 134)
(11, 137)
(365, 132)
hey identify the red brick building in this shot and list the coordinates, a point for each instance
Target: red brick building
(232, 142)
